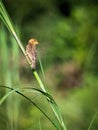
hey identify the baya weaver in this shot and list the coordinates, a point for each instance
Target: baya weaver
(31, 52)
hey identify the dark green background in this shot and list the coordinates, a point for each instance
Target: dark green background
(67, 31)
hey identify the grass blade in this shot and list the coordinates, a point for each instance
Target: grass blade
(92, 121)
(21, 94)
(8, 94)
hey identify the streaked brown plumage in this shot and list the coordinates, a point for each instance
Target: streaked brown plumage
(31, 51)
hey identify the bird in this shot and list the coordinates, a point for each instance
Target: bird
(32, 52)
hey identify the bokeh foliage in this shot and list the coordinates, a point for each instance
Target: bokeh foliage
(67, 31)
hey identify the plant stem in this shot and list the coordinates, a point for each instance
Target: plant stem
(39, 80)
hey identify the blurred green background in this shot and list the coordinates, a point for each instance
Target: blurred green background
(67, 31)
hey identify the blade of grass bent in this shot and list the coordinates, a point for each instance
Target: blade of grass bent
(27, 98)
